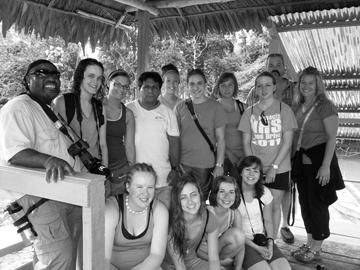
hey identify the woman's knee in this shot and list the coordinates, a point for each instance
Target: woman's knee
(277, 197)
(234, 236)
(280, 264)
(262, 265)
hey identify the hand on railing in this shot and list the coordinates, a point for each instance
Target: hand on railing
(56, 168)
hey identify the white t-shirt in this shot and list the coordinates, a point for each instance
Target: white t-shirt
(151, 142)
(254, 213)
(24, 124)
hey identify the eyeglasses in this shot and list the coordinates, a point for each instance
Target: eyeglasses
(43, 73)
(123, 87)
(263, 118)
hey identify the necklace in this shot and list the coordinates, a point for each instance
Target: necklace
(133, 211)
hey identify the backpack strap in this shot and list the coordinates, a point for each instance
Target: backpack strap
(69, 99)
(240, 106)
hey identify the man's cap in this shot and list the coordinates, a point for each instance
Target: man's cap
(36, 63)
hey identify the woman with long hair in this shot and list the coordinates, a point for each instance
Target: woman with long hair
(224, 200)
(136, 224)
(226, 91)
(82, 108)
(320, 174)
(120, 129)
(190, 222)
(261, 253)
(197, 152)
(268, 128)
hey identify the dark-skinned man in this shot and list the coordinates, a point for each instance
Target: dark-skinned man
(29, 138)
(156, 133)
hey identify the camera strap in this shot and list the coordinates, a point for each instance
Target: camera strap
(58, 124)
(247, 213)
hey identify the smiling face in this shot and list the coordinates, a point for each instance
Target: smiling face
(118, 87)
(197, 86)
(250, 175)
(171, 82)
(265, 87)
(308, 86)
(141, 189)
(226, 195)
(44, 82)
(190, 199)
(227, 88)
(92, 80)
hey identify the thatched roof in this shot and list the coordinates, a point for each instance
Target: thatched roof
(104, 21)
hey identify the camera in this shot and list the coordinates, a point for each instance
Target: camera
(92, 164)
(260, 239)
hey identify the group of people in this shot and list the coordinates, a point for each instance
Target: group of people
(168, 157)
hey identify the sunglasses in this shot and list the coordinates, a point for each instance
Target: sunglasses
(43, 73)
(264, 119)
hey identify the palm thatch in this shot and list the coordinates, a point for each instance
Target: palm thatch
(106, 21)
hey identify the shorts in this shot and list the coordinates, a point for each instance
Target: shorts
(252, 257)
(282, 181)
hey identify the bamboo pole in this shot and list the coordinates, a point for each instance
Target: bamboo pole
(140, 5)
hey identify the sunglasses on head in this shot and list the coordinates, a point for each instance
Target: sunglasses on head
(263, 119)
(43, 73)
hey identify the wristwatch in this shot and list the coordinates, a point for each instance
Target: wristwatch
(219, 165)
(275, 167)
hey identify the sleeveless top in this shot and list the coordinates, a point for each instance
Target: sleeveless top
(115, 138)
(129, 250)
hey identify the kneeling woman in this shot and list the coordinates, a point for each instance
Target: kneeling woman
(190, 222)
(224, 200)
(136, 225)
(261, 253)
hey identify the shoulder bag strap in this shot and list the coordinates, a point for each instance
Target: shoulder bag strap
(291, 213)
(240, 106)
(262, 214)
(190, 107)
(247, 213)
(203, 234)
(309, 112)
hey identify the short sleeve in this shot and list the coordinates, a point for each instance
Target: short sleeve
(17, 133)
(212, 224)
(172, 129)
(220, 116)
(244, 124)
(289, 119)
(266, 198)
(326, 109)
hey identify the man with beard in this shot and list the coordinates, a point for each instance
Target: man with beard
(29, 138)
(156, 133)
(284, 92)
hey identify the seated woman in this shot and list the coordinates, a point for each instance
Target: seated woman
(224, 200)
(261, 253)
(136, 225)
(120, 129)
(190, 222)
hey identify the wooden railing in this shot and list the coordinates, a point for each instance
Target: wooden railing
(84, 190)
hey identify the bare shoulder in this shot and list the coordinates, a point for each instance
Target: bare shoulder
(160, 211)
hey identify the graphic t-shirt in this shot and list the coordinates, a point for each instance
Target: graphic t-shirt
(266, 140)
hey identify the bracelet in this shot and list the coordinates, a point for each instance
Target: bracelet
(269, 238)
(219, 165)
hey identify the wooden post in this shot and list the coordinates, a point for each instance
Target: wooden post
(94, 228)
(276, 46)
(144, 39)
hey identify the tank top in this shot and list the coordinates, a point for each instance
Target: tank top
(115, 138)
(129, 250)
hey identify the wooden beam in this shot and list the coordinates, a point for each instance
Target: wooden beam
(348, 109)
(186, 3)
(317, 25)
(143, 42)
(346, 89)
(277, 46)
(140, 5)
